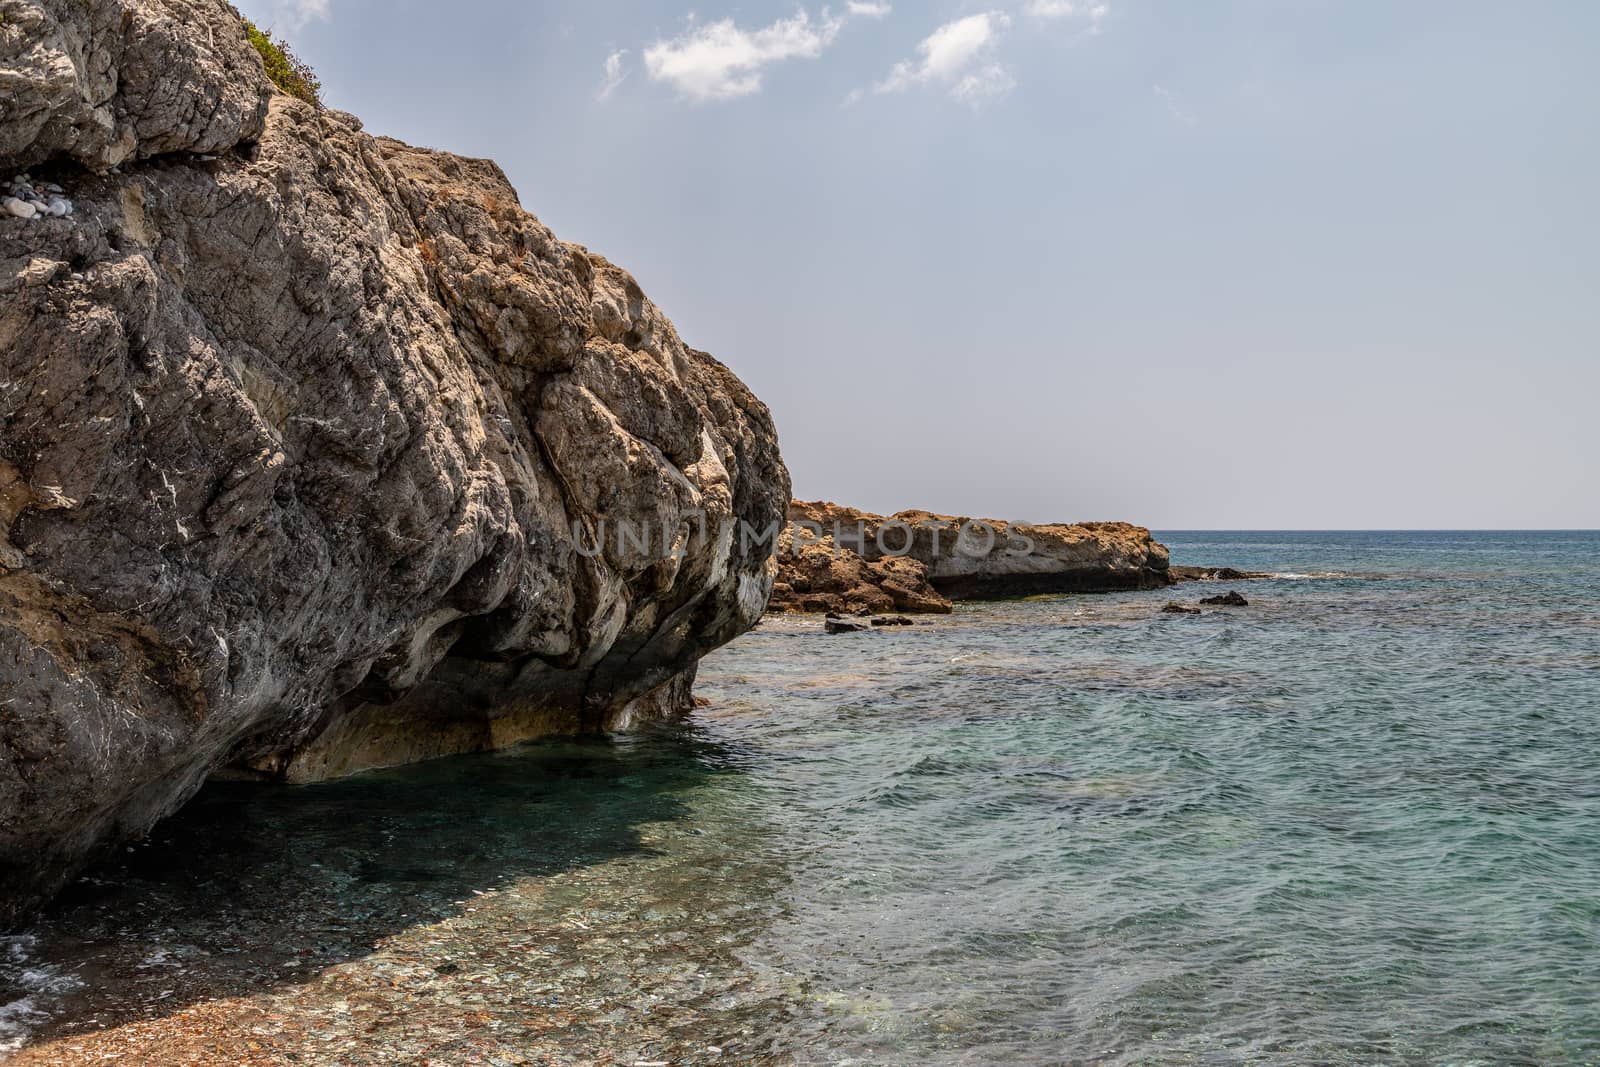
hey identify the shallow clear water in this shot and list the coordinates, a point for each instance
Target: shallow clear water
(1356, 822)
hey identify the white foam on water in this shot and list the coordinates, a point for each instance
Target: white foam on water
(27, 990)
(17, 1020)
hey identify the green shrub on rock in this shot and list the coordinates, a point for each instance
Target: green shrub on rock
(284, 67)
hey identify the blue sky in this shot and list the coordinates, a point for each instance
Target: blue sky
(1230, 264)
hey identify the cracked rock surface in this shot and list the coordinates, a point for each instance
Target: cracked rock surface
(314, 447)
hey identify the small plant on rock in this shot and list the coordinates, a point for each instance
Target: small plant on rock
(284, 67)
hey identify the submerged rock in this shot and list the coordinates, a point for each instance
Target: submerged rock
(1212, 574)
(843, 626)
(1174, 608)
(313, 457)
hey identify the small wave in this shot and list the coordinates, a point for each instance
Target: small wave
(27, 990)
(18, 1018)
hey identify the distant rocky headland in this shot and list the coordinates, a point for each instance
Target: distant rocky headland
(301, 431)
(837, 558)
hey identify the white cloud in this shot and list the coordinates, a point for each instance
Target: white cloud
(992, 80)
(719, 61)
(614, 74)
(868, 9)
(948, 55)
(295, 14)
(1064, 9)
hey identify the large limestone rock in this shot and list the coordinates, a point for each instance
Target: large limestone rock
(837, 558)
(312, 454)
(99, 83)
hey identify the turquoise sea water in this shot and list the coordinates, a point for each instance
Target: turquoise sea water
(1357, 822)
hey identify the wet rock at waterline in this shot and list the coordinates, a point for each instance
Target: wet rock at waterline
(1232, 599)
(1212, 574)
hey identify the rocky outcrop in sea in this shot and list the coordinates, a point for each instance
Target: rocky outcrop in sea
(837, 558)
(311, 444)
(816, 574)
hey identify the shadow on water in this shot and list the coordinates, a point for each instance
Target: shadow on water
(251, 887)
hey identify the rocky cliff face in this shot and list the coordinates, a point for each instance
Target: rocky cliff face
(836, 558)
(313, 447)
